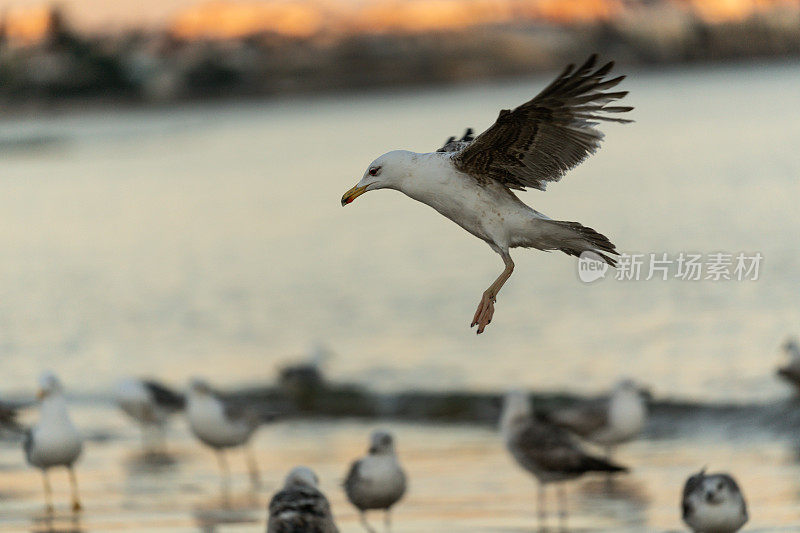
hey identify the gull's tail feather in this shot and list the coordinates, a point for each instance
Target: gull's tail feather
(596, 464)
(574, 238)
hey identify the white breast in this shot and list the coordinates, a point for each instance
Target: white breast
(208, 422)
(726, 517)
(382, 473)
(626, 418)
(56, 442)
(135, 400)
(488, 211)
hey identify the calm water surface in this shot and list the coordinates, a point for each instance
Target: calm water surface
(176, 241)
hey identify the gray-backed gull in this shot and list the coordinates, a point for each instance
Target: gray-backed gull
(472, 181)
(376, 481)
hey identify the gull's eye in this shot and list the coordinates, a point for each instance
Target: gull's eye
(374, 171)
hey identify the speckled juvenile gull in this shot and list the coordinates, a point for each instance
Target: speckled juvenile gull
(608, 421)
(150, 404)
(713, 503)
(54, 440)
(376, 481)
(546, 451)
(472, 181)
(300, 507)
(222, 425)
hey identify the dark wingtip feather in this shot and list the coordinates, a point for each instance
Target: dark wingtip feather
(605, 69)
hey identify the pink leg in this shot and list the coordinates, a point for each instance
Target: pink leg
(483, 316)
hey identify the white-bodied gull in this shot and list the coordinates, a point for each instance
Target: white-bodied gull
(300, 506)
(713, 503)
(471, 181)
(376, 481)
(53, 440)
(222, 425)
(608, 421)
(150, 404)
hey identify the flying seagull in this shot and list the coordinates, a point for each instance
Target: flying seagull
(53, 441)
(471, 181)
(546, 451)
(150, 404)
(376, 481)
(713, 503)
(300, 507)
(609, 421)
(221, 425)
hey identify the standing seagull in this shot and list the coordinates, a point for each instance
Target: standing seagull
(53, 441)
(220, 425)
(713, 503)
(791, 371)
(376, 481)
(300, 507)
(150, 404)
(470, 181)
(608, 422)
(546, 451)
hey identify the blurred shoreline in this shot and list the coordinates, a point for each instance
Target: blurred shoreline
(61, 68)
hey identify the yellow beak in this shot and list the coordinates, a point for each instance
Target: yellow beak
(352, 194)
(40, 394)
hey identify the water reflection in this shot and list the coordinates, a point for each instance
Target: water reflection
(233, 510)
(55, 523)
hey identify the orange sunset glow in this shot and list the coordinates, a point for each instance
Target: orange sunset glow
(27, 24)
(230, 19)
(302, 18)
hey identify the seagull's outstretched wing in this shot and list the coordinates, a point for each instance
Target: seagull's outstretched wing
(542, 139)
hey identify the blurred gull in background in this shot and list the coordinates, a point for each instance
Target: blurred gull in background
(53, 440)
(376, 481)
(150, 404)
(546, 451)
(300, 507)
(221, 425)
(608, 421)
(791, 371)
(713, 503)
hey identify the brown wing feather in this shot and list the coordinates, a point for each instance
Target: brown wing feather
(542, 139)
(583, 420)
(550, 448)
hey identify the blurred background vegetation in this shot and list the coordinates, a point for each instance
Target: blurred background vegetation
(242, 48)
